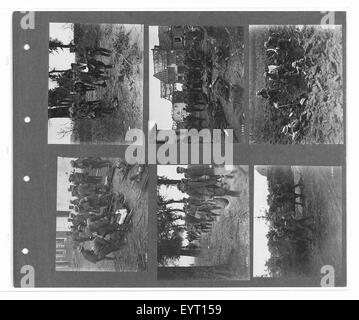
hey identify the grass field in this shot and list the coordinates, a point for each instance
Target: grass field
(134, 256)
(231, 41)
(324, 85)
(126, 82)
(228, 242)
(322, 191)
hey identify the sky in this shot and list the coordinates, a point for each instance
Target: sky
(63, 195)
(261, 253)
(60, 60)
(160, 109)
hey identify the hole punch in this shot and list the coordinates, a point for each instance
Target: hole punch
(26, 178)
(27, 47)
(25, 251)
(27, 120)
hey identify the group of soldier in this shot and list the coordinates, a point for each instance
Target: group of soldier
(198, 82)
(92, 220)
(85, 75)
(290, 231)
(284, 74)
(207, 193)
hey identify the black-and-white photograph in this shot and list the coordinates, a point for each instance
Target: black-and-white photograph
(298, 227)
(95, 82)
(102, 215)
(296, 84)
(197, 78)
(180, 149)
(203, 222)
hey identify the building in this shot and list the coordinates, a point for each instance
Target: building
(168, 59)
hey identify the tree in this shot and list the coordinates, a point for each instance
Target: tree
(59, 112)
(167, 182)
(62, 80)
(274, 266)
(170, 231)
(57, 95)
(172, 201)
(58, 71)
(169, 248)
(172, 248)
(65, 131)
(168, 222)
(56, 44)
(164, 202)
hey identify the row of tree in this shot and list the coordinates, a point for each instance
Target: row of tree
(291, 227)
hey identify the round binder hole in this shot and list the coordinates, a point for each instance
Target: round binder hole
(26, 178)
(25, 251)
(27, 120)
(26, 47)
